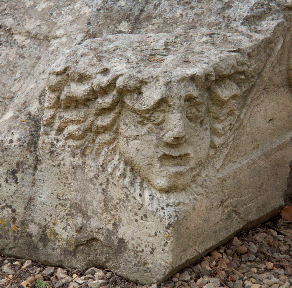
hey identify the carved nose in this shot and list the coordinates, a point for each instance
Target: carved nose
(175, 132)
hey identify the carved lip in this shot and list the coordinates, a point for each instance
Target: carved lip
(177, 161)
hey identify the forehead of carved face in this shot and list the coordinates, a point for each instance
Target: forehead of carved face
(164, 133)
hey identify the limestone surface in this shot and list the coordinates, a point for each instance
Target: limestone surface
(127, 124)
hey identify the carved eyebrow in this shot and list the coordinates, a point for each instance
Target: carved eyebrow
(153, 106)
(198, 98)
(143, 100)
(159, 102)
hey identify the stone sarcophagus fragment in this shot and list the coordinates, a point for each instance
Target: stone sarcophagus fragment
(140, 152)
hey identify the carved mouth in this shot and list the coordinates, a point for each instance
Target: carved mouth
(169, 160)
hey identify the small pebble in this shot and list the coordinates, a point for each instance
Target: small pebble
(201, 282)
(205, 265)
(252, 280)
(91, 271)
(273, 232)
(247, 284)
(97, 284)
(31, 279)
(216, 254)
(215, 281)
(229, 252)
(240, 275)
(7, 269)
(61, 273)
(269, 265)
(99, 274)
(79, 281)
(241, 250)
(221, 275)
(63, 281)
(27, 264)
(175, 277)
(210, 285)
(237, 284)
(49, 271)
(17, 263)
(253, 249)
(260, 237)
(270, 282)
(236, 241)
(89, 276)
(184, 276)
(26, 284)
(255, 286)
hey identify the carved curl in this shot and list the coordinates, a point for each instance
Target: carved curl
(81, 108)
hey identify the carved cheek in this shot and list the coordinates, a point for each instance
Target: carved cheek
(200, 141)
(129, 125)
(155, 131)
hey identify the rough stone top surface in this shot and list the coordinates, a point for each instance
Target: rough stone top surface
(204, 18)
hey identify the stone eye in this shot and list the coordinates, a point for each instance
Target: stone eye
(194, 110)
(156, 115)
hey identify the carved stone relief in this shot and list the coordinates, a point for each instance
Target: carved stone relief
(152, 129)
(141, 146)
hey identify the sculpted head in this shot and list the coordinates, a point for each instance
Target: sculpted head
(155, 126)
(164, 132)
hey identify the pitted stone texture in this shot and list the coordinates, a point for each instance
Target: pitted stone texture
(138, 135)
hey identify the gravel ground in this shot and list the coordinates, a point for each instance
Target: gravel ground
(256, 258)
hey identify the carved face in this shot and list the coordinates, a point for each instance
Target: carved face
(164, 133)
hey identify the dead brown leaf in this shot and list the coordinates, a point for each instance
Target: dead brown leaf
(286, 213)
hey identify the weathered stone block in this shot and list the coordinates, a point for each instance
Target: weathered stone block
(139, 136)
